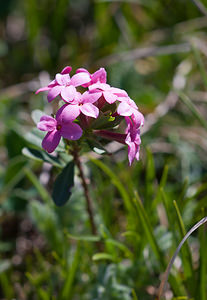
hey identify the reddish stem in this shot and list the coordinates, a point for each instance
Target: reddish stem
(77, 161)
(109, 135)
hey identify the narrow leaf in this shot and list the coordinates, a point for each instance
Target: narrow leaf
(87, 238)
(103, 256)
(71, 272)
(63, 185)
(203, 264)
(186, 254)
(186, 100)
(40, 188)
(167, 272)
(36, 115)
(201, 64)
(148, 229)
(40, 155)
(97, 147)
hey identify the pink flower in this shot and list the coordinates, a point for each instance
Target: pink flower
(82, 103)
(98, 76)
(109, 93)
(61, 126)
(127, 107)
(64, 85)
(133, 139)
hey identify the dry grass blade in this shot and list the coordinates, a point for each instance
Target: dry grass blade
(144, 52)
(200, 6)
(164, 281)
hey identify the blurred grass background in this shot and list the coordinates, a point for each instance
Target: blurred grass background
(156, 50)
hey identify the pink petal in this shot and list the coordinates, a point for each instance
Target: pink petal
(124, 109)
(43, 89)
(86, 71)
(71, 131)
(118, 92)
(54, 92)
(68, 93)
(80, 79)
(138, 118)
(51, 140)
(52, 83)
(137, 153)
(67, 113)
(89, 110)
(109, 97)
(99, 76)
(62, 79)
(77, 99)
(98, 85)
(131, 153)
(47, 123)
(66, 70)
(132, 104)
(91, 97)
(82, 70)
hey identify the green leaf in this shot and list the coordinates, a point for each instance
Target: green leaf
(71, 272)
(121, 246)
(115, 180)
(97, 147)
(134, 295)
(14, 142)
(40, 155)
(63, 185)
(35, 181)
(103, 256)
(5, 265)
(15, 165)
(187, 101)
(13, 175)
(148, 229)
(200, 63)
(203, 264)
(105, 120)
(186, 258)
(36, 115)
(35, 137)
(167, 272)
(87, 238)
(150, 178)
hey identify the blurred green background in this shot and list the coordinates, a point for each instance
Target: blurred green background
(156, 50)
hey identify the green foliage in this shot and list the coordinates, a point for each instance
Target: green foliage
(156, 50)
(63, 185)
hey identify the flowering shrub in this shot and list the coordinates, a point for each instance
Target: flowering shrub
(97, 112)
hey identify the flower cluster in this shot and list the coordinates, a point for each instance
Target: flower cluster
(98, 107)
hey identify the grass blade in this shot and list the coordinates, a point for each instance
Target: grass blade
(201, 64)
(40, 188)
(167, 272)
(186, 100)
(203, 264)
(115, 180)
(147, 228)
(187, 257)
(67, 288)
